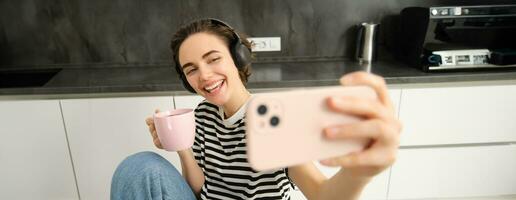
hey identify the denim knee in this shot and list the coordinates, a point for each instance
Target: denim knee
(147, 175)
(147, 162)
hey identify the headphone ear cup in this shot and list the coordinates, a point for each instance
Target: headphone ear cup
(241, 55)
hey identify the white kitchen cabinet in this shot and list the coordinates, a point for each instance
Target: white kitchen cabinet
(470, 171)
(395, 95)
(104, 131)
(187, 101)
(34, 157)
(458, 115)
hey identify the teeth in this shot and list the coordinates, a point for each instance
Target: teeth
(211, 87)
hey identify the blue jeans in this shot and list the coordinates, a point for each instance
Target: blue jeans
(147, 176)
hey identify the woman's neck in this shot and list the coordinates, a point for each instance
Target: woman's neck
(235, 102)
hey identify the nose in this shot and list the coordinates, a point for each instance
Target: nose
(205, 72)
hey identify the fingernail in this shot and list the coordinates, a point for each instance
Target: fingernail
(343, 102)
(336, 101)
(331, 132)
(325, 162)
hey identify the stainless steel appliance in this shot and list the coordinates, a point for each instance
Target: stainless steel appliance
(366, 51)
(458, 37)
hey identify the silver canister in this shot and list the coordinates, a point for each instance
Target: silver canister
(366, 42)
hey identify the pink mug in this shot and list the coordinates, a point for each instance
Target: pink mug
(175, 128)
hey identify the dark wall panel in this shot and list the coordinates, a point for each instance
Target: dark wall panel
(35, 32)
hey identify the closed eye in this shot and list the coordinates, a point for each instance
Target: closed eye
(189, 70)
(214, 60)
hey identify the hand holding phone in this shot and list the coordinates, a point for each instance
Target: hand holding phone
(285, 128)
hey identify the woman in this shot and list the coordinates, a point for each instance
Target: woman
(213, 61)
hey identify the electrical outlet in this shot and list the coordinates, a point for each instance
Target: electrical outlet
(260, 44)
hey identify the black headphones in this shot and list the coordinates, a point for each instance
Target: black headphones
(239, 52)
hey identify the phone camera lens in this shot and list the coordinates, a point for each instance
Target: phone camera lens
(274, 121)
(262, 109)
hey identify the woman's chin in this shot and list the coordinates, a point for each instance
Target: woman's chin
(216, 100)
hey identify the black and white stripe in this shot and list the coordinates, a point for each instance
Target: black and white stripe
(220, 151)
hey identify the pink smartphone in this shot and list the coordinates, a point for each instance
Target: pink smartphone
(286, 128)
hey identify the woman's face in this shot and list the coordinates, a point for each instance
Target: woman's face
(209, 67)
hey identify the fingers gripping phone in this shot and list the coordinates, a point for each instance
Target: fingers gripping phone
(286, 128)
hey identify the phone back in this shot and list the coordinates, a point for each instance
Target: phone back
(286, 128)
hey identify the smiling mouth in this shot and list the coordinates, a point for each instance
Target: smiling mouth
(214, 86)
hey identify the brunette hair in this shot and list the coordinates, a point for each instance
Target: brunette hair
(226, 33)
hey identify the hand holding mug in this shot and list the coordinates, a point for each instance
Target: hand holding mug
(152, 130)
(172, 130)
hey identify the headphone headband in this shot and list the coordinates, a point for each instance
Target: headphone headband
(219, 22)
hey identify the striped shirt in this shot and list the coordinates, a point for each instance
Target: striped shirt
(220, 151)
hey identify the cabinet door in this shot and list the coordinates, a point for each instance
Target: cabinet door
(102, 132)
(395, 95)
(187, 101)
(34, 158)
(454, 172)
(458, 115)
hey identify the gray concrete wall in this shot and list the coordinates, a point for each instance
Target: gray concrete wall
(36, 32)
